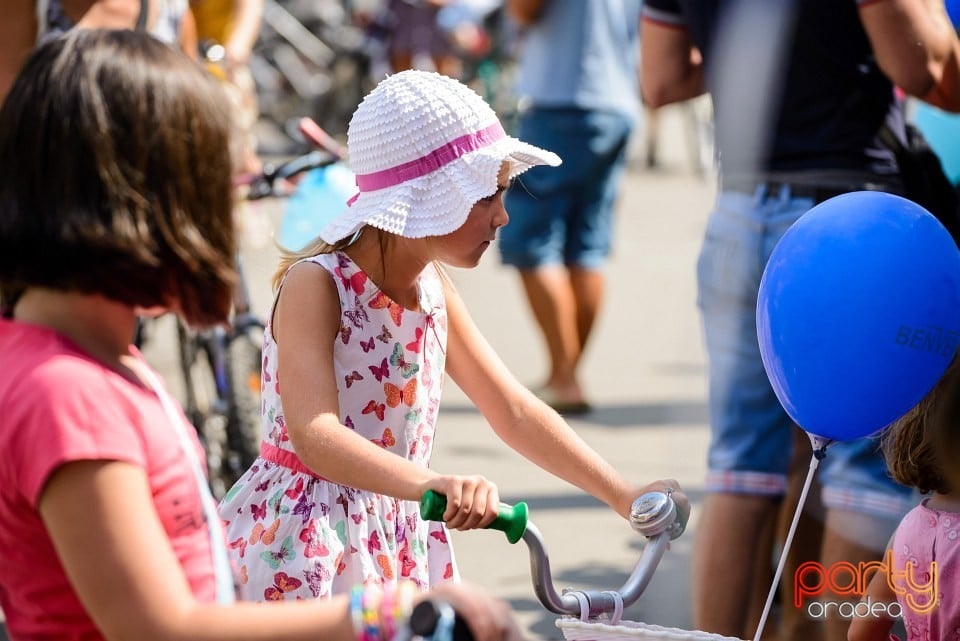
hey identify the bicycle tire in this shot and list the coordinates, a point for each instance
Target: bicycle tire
(200, 406)
(243, 363)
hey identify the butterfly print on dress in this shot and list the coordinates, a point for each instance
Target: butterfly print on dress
(382, 301)
(281, 583)
(357, 315)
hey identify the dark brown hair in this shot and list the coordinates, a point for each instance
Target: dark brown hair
(116, 176)
(923, 447)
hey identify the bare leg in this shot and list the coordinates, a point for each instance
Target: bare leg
(401, 62)
(588, 288)
(762, 578)
(724, 561)
(851, 537)
(448, 65)
(807, 541)
(552, 301)
(791, 624)
(652, 117)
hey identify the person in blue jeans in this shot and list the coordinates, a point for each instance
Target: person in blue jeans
(836, 91)
(582, 102)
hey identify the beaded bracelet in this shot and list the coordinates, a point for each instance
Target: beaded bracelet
(396, 606)
(372, 597)
(376, 610)
(356, 609)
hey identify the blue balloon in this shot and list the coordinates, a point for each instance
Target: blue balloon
(953, 12)
(320, 196)
(858, 313)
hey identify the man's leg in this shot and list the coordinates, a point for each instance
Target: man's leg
(588, 289)
(844, 540)
(864, 506)
(762, 578)
(552, 300)
(724, 560)
(795, 625)
(750, 449)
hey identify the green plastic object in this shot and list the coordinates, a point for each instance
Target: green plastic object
(512, 519)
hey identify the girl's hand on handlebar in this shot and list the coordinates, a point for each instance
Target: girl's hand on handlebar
(488, 618)
(472, 501)
(671, 487)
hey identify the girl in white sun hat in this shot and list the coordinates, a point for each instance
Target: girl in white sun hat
(363, 330)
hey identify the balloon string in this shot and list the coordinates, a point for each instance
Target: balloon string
(814, 464)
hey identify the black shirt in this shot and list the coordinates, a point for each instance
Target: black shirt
(834, 97)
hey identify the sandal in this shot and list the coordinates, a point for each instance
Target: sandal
(564, 408)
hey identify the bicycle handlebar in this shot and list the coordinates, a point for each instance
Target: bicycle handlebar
(652, 514)
(262, 185)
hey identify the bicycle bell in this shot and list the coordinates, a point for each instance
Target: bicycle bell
(655, 512)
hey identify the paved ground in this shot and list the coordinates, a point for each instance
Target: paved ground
(645, 375)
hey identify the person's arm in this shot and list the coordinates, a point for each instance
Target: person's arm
(18, 31)
(111, 14)
(306, 323)
(525, 12)
(245, 30)
(916, 47)
(671, 68)
(527, 424)
(874, 628)
(116, 554)
(109, 538)
(187, 38)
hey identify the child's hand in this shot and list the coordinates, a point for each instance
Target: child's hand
(488, 618)
(472, 501)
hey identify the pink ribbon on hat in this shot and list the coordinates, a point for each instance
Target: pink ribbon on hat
(432, 161)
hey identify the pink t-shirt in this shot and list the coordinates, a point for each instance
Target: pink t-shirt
(58, 405)
(926, 536)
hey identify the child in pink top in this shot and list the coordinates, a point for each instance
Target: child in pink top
(922, 577)
(115, 198)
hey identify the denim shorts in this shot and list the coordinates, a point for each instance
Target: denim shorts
(751, 434)
(563, 215)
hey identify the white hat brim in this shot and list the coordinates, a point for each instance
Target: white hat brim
(437, 203)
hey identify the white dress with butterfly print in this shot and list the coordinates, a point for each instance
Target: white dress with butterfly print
(292, 534)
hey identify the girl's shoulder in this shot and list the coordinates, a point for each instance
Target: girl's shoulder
(328, 262)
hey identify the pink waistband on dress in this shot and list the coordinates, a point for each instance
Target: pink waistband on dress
(285, 458)
(432, 161)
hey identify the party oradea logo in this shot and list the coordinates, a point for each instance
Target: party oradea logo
(838, 589)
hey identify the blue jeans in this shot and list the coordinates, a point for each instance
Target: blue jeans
(563, 215)
(750, 446)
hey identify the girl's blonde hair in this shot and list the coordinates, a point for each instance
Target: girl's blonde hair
(318, 246)
(922, 448)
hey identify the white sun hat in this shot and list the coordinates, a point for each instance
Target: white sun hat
(425, 148)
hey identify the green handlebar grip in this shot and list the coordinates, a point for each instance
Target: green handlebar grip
(512, 519)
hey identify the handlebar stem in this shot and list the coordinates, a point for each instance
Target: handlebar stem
(598, 602)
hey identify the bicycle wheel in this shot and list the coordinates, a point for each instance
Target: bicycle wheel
(201, 406)
(243, 354)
